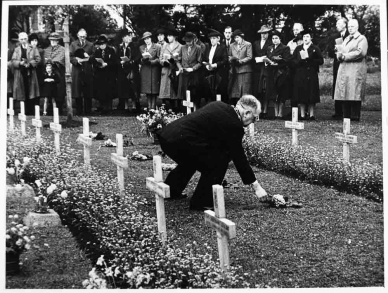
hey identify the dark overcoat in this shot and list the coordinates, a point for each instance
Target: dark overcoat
(306, 83)
(33, 58)
(150, 73)
(127, 72)
(81, 75)
(258, 68)
(49, 89)
(57, 56)
(105, 78)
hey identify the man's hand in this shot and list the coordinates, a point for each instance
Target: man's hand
(259, 191)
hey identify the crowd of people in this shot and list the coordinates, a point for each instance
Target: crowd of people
(160, 67)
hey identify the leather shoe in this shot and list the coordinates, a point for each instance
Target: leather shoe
(177, 197)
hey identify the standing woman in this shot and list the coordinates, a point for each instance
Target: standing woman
(351, 78)
(276, 73)
(105, 62)
(169, 56)
(306, 59)
(240, 58)
(34, 42)
(150, 70)
(55, 54)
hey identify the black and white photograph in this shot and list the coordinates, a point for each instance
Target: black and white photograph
(179, 145)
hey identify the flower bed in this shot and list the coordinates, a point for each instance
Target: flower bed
(106, 224)
(312, 165)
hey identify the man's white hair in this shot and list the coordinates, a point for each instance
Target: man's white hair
(353, 21)
(250, 101)
(298, 24)
(22, 34)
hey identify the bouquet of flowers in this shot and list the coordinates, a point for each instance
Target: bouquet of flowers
(157, 119)
(17, 240)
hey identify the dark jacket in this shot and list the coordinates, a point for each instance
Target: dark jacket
(258, 68)
(104, 78)
(215, 128)
(49, 89)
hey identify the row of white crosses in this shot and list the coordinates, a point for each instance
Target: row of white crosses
(189, 104)
(225, 228)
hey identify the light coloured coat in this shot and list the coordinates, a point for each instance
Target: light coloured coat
(150, 73)
(351, 78)
(166, 87)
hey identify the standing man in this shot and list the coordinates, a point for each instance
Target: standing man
(292, 44)
(55, 54)
(351, 78)
(342, 32)
(215, 59)
(25, 59)
(259, 51)
(82, 73)
(206, 141)
(227, 42)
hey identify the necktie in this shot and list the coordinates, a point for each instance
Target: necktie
(188, 50)
(103, 54)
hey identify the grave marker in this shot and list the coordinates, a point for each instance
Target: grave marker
(37, 123)
(218, 98)
(22, 117)
(11, 113)
(188, 104)
(225, 228)
(86, 141)
(119, 160)
(162, 191)
(56, 128)
(294, 125)
(346, 138)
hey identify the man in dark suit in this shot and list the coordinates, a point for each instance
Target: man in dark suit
(227, 42)
(215, 59)
(206, 141)
(342, 32)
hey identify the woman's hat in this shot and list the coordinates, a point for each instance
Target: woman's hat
(277, 33)
(170, 30)
(264, 29)
(125, 32)
(306, 31)
(146, 35)
(54, 36)
(102, 39)
(238, 33)
(33, 36)
(213, 33)
(161, 31)
(189, 36)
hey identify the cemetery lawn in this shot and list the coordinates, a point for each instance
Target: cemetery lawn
(335, 240)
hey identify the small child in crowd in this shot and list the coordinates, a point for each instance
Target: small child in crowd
(49, 91)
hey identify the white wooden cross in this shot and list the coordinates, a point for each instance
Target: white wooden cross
(225, 228)
(56, 128)
(86, 141)
(218, 98)
(346, 139)
(37, 123)
(22, 117)
(119, 160)
(294, 125)
(162, 191)
(11, 113)
(188, 104)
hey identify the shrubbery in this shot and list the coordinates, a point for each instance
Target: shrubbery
(310, 164)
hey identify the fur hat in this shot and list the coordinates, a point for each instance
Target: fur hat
(189, 36)
(102, 39)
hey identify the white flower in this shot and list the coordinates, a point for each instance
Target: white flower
(26, 239)
(19, 242)
(109, 272)
(15, 216)
(17, 162)
(10, 216)
(85, 283)
(46, 245)
(7, 236)
(100, 260)
(14, 230)
(38, 183)
(64, 194)
(26, 161)
(93, 273)
(117, 271)
(18, 187)
(129, 275)
(32, 237)
(27, 246)
(11, 171)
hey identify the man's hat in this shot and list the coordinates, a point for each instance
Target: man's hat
(238, 32)
(264, 29)
(54, 36)
(146, 35)
(102, 39)
(171, 30)
(213, 33)
(33, 36)
(189, 36)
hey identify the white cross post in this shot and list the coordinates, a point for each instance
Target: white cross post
(188, 104)
(57, 129)
(294, 125)
(225, 228)
(162, 191)
(84, 139)
(119, 160)
(251, 130)
(11, 113)
(37, 123)
(346, 139)
(22, 117)
(218, 98)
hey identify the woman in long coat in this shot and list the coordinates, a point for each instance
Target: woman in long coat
(351, 78)
(56, 54)
(104, 63)
(306, 60)
(241, 71)
(169, 56)
(276, 74)
(25, 58)
(150, 70)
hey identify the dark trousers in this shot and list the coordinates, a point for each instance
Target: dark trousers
(338, 108)
(212, 165)
(29, 106)
(351, 109)
(83, 105)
